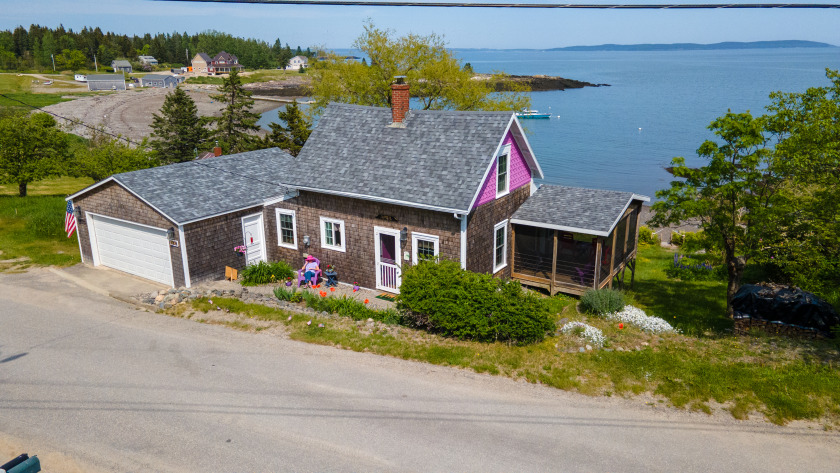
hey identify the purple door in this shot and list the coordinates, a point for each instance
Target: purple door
(387, 259)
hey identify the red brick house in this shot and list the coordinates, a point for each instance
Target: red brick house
(374, 189)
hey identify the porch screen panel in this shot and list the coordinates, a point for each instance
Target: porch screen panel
(631, 231)
(575, 259)
(606, 254)
(532, 251)
(621, 235)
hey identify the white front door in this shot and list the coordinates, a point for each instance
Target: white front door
(252, 232)
(388, 272)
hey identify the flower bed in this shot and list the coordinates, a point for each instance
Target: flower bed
(589, 333)
(635, 316)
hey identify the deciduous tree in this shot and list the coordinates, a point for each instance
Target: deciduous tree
(178, 131)
(105, 155)
(435, 76)
(31, 148)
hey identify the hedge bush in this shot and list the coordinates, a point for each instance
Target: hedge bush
(647, 237)
(265, 273)
(441, 297)
(602, 301)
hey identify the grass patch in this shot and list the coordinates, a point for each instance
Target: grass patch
(782, 379)
(57, 186)
(33, 227)
(262, 75)
(695, 307)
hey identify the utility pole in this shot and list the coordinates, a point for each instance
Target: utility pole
(53, 59)
(187, 51)
(95, 64)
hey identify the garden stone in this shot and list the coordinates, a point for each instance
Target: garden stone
(588, 347)
(159, 298)
(581, 350)
(166, 305)
(171, 291)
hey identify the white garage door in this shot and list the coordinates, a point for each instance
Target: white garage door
(135, 249)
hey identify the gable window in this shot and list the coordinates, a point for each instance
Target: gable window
(332, 234)
(425, 247)
(286, 231)
(499, 246)
(503, 172)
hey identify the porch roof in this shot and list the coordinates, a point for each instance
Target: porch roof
(575, 209)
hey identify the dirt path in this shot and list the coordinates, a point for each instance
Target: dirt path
(130, 113)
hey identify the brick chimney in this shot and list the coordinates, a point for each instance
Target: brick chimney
(217, 151)
(399, 99)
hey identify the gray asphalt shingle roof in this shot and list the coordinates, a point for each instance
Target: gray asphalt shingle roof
(120, 63)
(96, 77)
(195, 190)
(591, 211)
(437, 160)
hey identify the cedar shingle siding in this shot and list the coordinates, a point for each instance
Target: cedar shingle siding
(358, 262)
(111, 200)
(480, 238)
(210, 245)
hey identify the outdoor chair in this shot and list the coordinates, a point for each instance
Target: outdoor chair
(302, 278)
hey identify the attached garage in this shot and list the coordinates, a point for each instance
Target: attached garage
(130, 247)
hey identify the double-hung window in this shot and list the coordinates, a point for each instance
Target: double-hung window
(286, 228)
(332, 234)
(503, 172)
(425, 246)
(499, 246)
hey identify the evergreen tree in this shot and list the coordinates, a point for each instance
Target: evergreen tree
(292, 136)
(178, 131)
(237, 120)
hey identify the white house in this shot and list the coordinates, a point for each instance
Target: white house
(80, 78)
(297, 63)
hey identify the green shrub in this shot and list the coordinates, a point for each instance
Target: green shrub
(441, 297)
(647, 236)
(264, 273)
(290, 295)
(602, 301)
(677, 238)
(343, 306)
(694, 268)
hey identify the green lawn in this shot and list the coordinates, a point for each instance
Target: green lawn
(33, 227)
(19, 89)
(262, 75)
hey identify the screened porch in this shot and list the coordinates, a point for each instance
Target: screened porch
(590, 244)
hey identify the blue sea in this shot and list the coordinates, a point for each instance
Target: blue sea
(658, 105)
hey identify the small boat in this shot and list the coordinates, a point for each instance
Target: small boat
(48, 82)
(532, 114)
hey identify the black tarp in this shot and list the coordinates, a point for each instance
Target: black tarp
(785, 304)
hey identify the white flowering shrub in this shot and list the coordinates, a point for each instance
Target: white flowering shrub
(635, 316)
(587, 332)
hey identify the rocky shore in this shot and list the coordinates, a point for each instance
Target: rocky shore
(300, 86)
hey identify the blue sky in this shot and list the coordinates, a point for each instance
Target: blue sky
(337, 27)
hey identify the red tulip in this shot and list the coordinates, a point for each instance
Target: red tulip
(621, 326)
(323, 294)
(366, 301)
(332, 289)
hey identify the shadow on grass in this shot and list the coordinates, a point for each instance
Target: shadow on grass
(695, 307)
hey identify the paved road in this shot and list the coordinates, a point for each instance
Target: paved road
(126, 390)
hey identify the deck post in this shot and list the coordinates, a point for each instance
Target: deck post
(512, 247)
(597, 263)
(632, 271)
(553, 265)
(612, 257)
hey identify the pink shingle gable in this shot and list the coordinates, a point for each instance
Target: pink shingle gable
(520, 173)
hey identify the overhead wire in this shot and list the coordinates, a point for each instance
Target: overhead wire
(120, 137)
(585, 6)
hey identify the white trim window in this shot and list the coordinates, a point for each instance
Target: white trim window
(286, 228)
(503, 172)
(424, 247)
(332, 234)
(499, 246)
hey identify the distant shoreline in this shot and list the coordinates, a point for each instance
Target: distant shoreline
(728, 45)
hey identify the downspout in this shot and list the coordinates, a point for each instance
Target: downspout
(184, 261)
(463, 219)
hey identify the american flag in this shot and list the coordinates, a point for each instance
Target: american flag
(69, 220)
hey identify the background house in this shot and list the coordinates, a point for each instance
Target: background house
(121, 65)
(298, 62)
(159, 80)
(223, 63)
(150, 60)
(106, 82)
(200, 63)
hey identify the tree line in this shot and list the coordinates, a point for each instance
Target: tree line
(36, 47)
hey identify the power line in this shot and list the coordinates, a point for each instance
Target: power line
(71, 120)
(120, 137)
(583, 6)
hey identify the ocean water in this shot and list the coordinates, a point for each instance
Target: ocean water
(658, 105)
